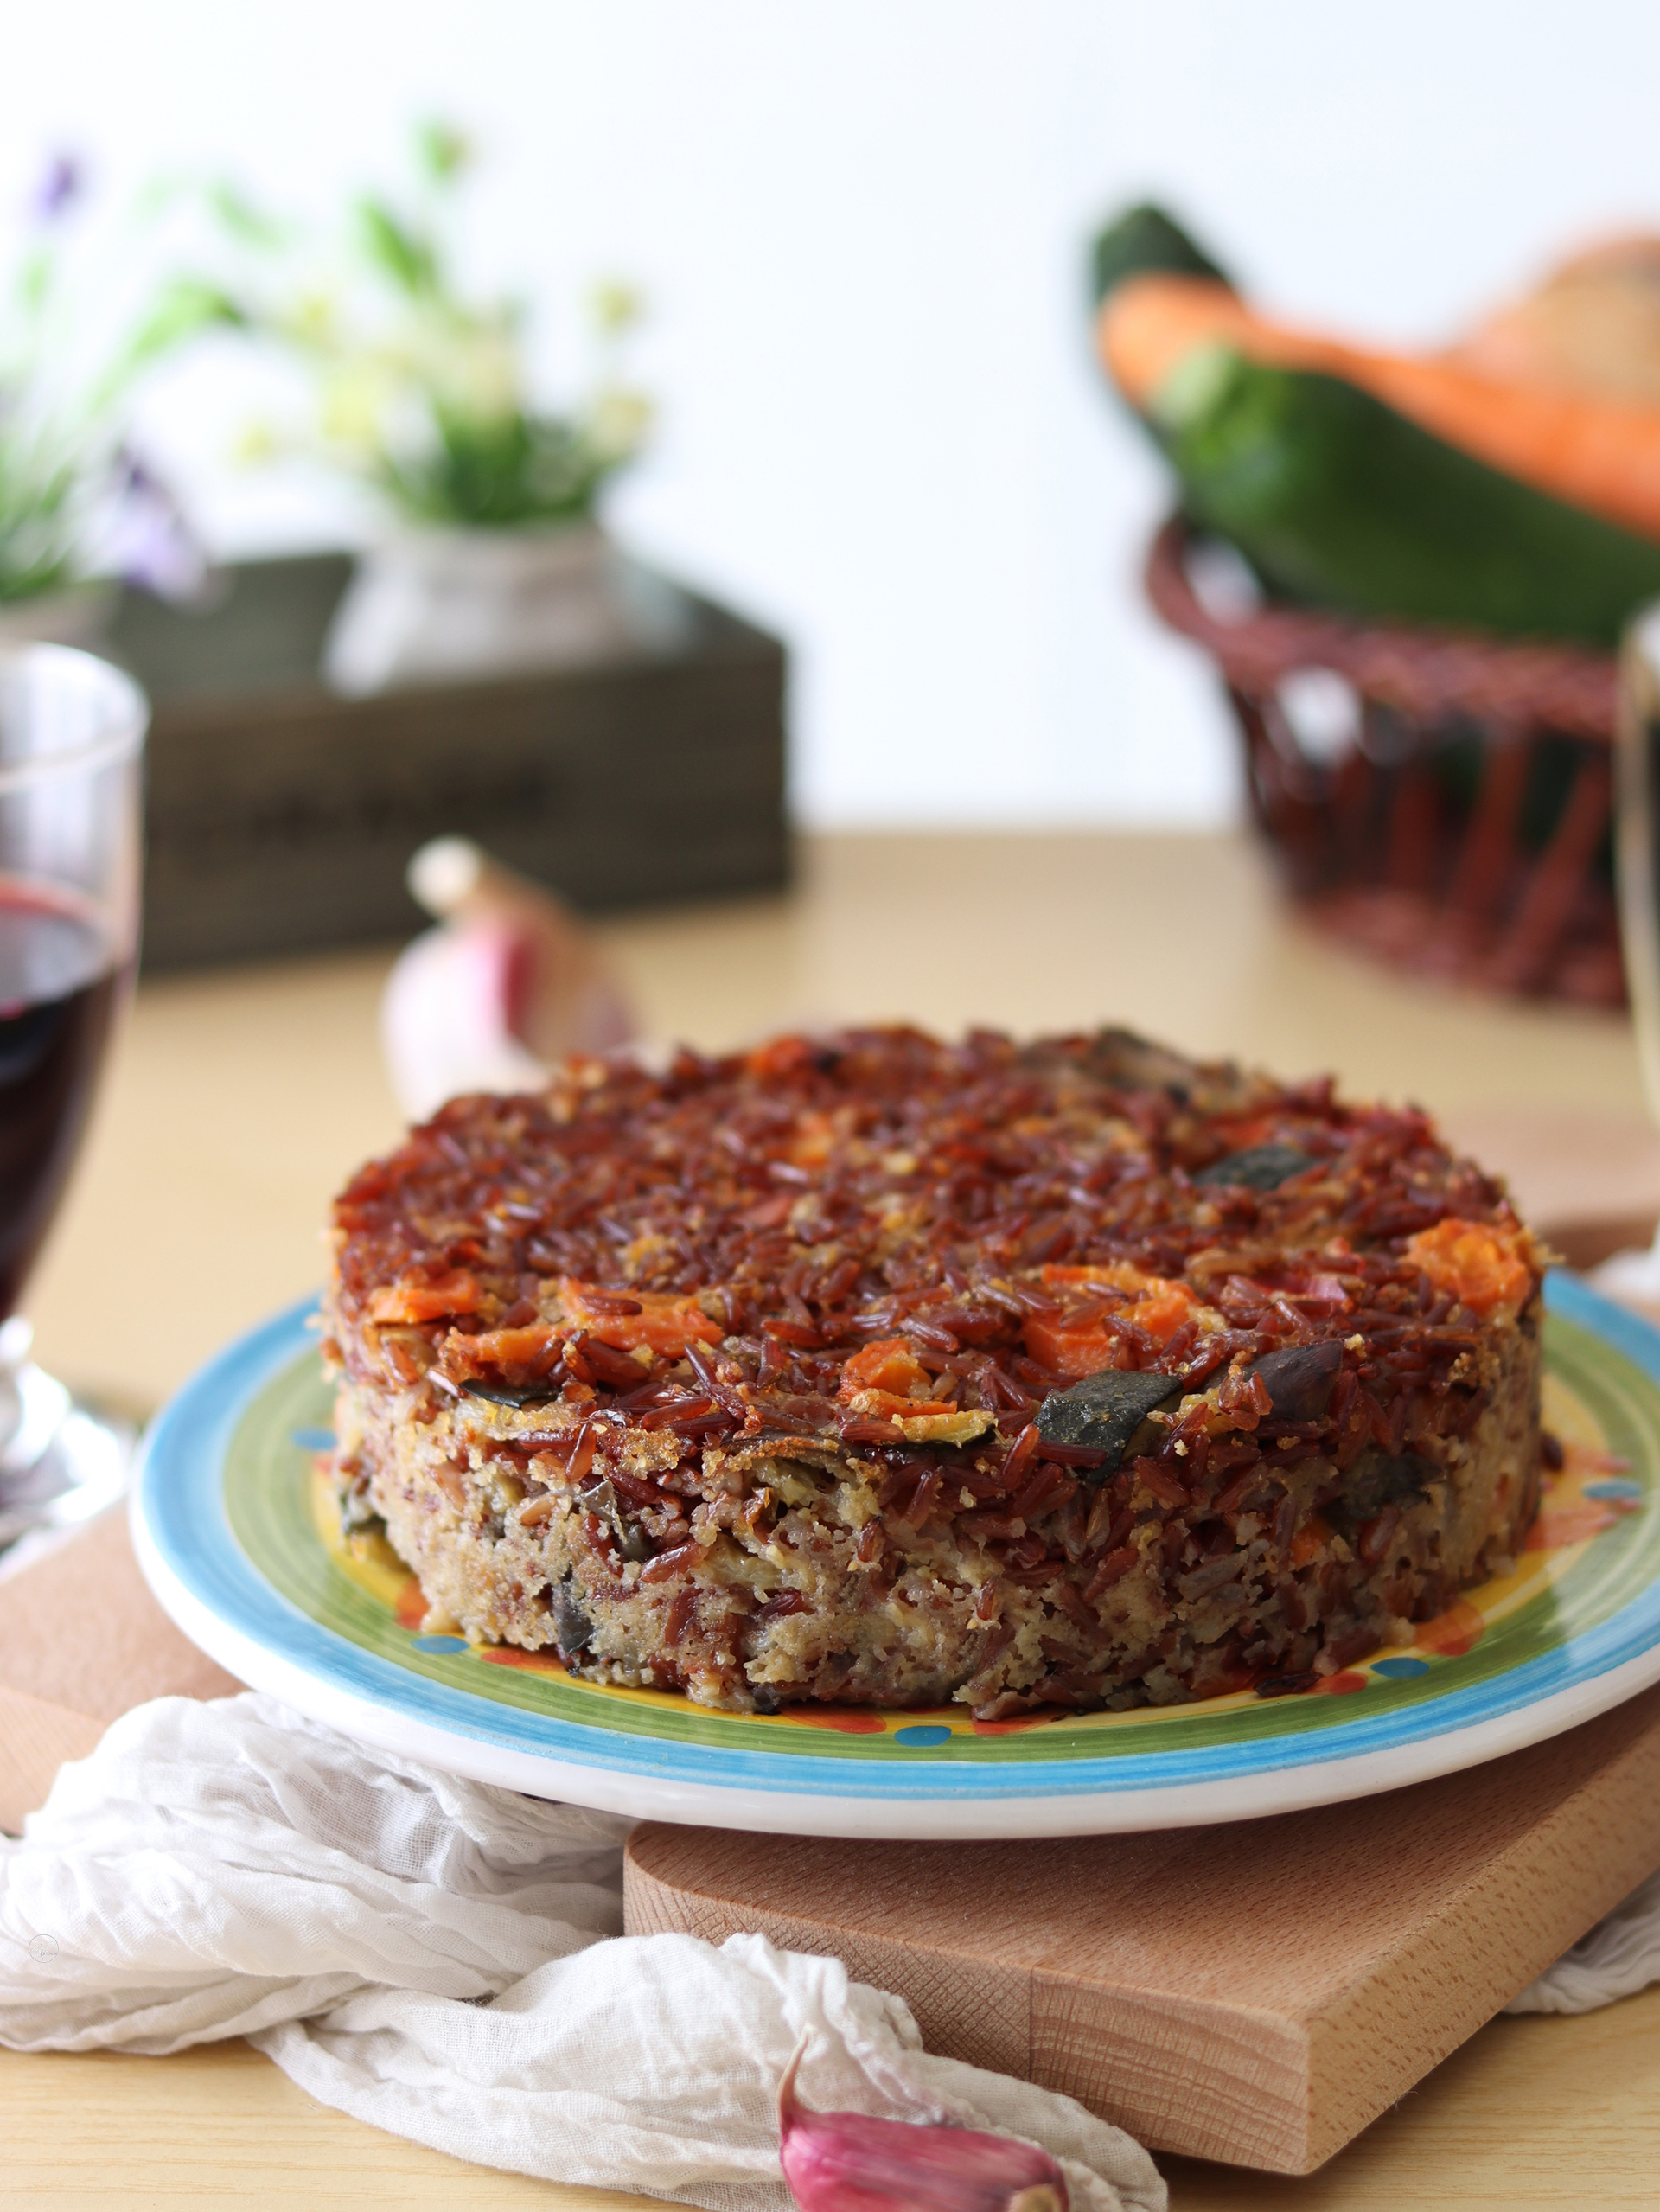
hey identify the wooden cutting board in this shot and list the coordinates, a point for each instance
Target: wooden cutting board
(82, 1641)
(1255, 1992)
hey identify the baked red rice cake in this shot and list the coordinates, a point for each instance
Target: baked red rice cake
(873, 1369)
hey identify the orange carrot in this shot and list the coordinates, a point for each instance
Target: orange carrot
(1085, 1348)
(666, 1321)
(455, 1293)
(1311, 1540)
(1592, 453)
(517, 1347)
(889, 1364)
(1482, 1268)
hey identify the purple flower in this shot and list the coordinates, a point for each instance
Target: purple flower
(146, 540)
(58, 188)
(134, 478)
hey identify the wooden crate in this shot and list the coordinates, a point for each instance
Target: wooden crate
(280, 817)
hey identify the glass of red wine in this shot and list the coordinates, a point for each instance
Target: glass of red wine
(71, 733)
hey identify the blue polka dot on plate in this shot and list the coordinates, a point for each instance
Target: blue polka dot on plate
(1400, 1670)
(313, 1440)
(439, 1643)
(1616, 1491)
(921, 1739)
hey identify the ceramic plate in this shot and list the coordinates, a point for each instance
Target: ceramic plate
(233, 1527)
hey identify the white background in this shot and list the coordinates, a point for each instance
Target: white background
(862, 227)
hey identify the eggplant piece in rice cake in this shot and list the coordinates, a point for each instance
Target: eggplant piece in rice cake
(873, 1369)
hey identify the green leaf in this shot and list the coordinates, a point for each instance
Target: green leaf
(442, 151)
(38, 480)
(35, 281)
(407, 258)
(184, 307)
(246, 223)
(497, 472)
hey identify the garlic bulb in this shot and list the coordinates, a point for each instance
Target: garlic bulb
(509, 983)
(847, 2162)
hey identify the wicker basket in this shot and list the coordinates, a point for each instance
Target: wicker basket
(1443, 800)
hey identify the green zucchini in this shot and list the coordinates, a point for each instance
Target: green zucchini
(1337, 501)
(1144, 237)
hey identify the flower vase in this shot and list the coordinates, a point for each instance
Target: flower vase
(457, 604)
(69, 614)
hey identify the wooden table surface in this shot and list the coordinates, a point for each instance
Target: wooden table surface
(238, 1100)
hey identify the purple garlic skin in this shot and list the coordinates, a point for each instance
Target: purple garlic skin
(844, 2162)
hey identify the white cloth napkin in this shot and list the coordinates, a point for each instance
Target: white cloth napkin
(445, 1960)
(1620, 1956)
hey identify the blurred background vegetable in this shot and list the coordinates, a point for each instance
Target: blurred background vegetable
(1510, 483)
(1432, 552)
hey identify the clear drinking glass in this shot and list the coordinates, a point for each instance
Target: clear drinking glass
(72, 734)
(1637, 837)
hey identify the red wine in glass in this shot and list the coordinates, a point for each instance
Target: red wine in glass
(60, 981)
(72, 730)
